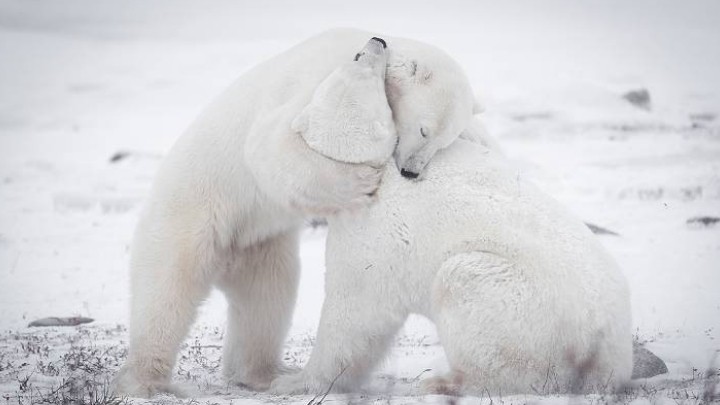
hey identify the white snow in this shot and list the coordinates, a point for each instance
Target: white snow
(81, 80)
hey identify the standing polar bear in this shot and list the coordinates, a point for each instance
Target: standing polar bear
(231, 195)
(522, 293)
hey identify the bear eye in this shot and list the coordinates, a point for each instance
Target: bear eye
(423, 132)
(357, 57)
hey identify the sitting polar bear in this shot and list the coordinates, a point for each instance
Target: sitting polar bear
(521, 291)
(231, 195)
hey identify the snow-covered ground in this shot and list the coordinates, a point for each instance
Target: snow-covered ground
(81, 80)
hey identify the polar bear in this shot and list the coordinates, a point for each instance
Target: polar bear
(523, 295)
(230, 197)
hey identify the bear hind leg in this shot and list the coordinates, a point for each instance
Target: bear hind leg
(480, 303)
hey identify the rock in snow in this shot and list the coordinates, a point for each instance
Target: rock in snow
(639, 98)
(598, 230)
(646, 364)
(702, 222)
(55, 321)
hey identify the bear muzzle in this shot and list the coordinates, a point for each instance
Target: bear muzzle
(380, 40)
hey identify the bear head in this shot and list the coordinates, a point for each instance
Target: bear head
(431, 100)
(349, 118)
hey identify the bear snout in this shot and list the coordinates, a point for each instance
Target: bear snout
(375, 46)
(382, 41)
(372, 52)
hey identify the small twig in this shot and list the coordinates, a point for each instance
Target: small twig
(489, 396)
(327, 391)
(421, 373)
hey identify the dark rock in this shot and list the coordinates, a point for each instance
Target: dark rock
(118, 156)
(639, 98)
(705, 117)
(645, 363)
(704, 221)
(134, 154)
(598, 230)
(55, 321)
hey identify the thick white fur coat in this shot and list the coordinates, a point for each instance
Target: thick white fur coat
(227, 204)
(520, 290)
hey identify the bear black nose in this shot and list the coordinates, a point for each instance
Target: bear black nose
(408, 174)
(382, 41)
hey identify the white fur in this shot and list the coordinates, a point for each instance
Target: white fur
(523, 295)
(226, 207)
(431, 103)
(353, 100)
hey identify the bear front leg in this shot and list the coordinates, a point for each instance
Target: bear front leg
(353, 335)
(260, 288)
(167, 287)
(289, 171)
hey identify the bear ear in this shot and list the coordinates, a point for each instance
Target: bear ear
(427, 75)
(419, 73)
(401, 67)
(412, 67)
(302, 121)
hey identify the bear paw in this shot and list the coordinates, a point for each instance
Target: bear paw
(128, 384)
(349, 187)
(259, 380)
(360, 188)
(445, 385)
(296, 384)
